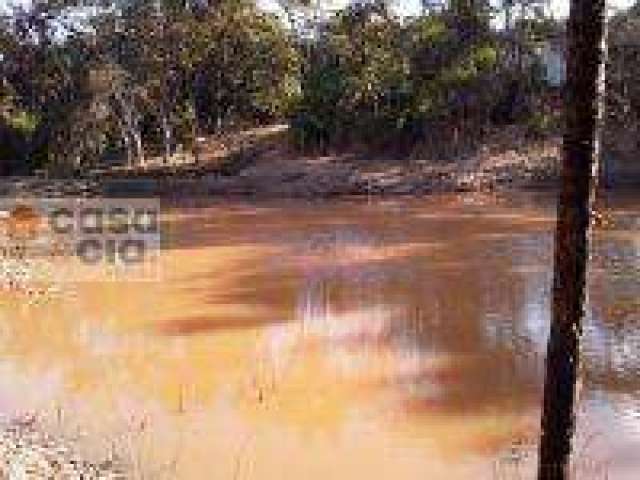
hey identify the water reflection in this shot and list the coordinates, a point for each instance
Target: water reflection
(389, 339)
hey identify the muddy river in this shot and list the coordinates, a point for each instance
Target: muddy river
(384, 339)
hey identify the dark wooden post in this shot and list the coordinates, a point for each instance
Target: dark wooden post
(581, 148)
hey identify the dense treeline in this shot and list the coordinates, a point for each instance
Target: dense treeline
(129, 80)
(136, 79)
(371, 77)
(623, 89)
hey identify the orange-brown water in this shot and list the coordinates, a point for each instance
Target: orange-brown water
(390, 339)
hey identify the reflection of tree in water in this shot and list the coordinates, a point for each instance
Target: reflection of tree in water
(612, 331)
(489, 319)
(612, 340)
(423, 310)
(459, 329)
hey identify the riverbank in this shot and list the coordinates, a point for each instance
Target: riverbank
(28, 452)
(293, 184)
(264, 163)
(321, 177)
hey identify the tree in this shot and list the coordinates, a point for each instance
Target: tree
(376, 79)
(354, 78)
(584, 89)
(623, 89)
(42, 75)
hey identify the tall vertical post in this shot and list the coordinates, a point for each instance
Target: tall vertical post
(585, 64)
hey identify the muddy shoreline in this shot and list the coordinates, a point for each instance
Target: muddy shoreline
(306, 183)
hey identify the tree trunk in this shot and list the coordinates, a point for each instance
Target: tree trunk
(166, 138)
(126, 141)
(127, 145)
(604, 165)
(130, 132)
(195, 126)
(196, 143)
(584, 70)
(137, 138)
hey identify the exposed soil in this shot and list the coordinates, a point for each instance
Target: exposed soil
(28, 452)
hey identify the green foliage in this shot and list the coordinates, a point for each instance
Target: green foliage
(540, 123)
(372, 77)
(146, 76)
